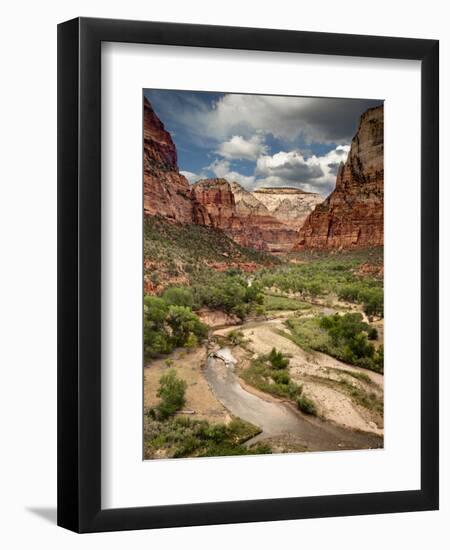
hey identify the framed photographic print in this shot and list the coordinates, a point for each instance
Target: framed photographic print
(248, 275)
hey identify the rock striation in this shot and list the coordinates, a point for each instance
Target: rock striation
(352, 215)
(289, 205)
(214, 205)
(276, 220)
(240, 215)
(216, 202)
(260, 223)
(167, 193)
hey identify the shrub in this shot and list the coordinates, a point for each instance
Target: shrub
(216, 432)
(277, 359)
(280, 377)
(373, 301)
(192, 341)
(379, 359)
(342, 336)
(260, 310)
(178, 296)
(171, 391)
(236, 337)
(306, 405)
(181, 437)
(274, 302)
(263, 376)
(349, 292)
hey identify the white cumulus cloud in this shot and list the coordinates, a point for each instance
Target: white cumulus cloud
(239, 148)
(324, 120)
(313, 173)
(219, 167)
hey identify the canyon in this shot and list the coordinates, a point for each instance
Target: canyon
(166, 191)
(289, 204)
(273, 219)
(241, 216)
(249, 347)
(352, 215)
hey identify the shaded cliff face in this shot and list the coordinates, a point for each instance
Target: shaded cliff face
(269, 218)
(289, 205)
(214, 204)
(352, 215)
(260, 224)
(166, 191)
(241, 216)
(216, 207)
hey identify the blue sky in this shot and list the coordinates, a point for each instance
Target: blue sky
(260, 141)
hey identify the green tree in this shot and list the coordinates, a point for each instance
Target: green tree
(178, 296)
(172, 393)
(156, 337)
(183, 323)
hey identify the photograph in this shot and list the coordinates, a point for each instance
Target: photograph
(205, 283)
(263, 302)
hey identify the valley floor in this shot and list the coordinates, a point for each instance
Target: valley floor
(348, 399)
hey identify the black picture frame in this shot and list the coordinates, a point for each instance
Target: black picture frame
(79, 274)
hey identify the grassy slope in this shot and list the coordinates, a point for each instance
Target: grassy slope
(175, 252)
(353, 276)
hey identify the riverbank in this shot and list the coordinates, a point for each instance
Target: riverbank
(339, 391)
(216, 392)
(280, 422)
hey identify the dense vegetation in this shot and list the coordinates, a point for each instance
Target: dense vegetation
(345, 337)
(338, 274)
(176, 436)
(188, 268)
(269, 373)
(170, 320)
(167, 326)
(229, 292)
(179, 259)
(182, 437)
(276, 302)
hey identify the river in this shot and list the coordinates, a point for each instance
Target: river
(275, 417)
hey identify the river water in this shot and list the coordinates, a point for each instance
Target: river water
(276, 418)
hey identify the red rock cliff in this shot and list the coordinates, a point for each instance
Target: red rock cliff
(352, 215)
(215, 205)
(166, 191)
(240, 215)
(260, 224)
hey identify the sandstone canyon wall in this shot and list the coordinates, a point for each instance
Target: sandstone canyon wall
(276, 220)
(215, 205)
(166, 192)
(289, 205)
(352, 215)
(260, 222)
(241, 216)
(212, 202)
